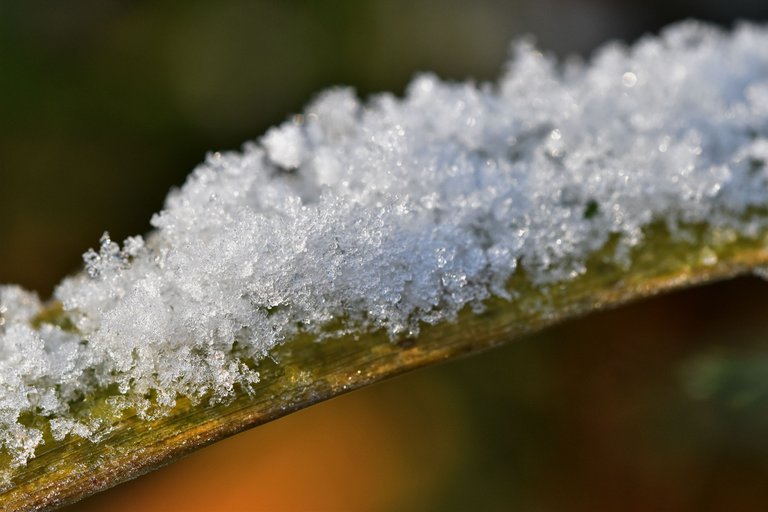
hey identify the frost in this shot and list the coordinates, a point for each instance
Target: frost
(394, 213)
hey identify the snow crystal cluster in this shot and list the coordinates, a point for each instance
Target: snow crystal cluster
(396, 212)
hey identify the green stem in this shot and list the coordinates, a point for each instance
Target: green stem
(303, 372)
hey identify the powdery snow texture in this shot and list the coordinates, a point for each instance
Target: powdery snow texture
(397, 212)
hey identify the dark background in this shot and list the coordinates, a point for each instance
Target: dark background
(105, 105)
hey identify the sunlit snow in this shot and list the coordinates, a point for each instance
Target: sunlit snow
(396, 212)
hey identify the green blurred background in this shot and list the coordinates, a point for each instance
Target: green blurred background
(105, 105)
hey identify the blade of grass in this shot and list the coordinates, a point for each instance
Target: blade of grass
(303, 371)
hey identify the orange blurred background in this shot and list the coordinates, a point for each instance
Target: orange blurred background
(106, 104)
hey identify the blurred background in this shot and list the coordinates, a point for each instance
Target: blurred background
(106, 104)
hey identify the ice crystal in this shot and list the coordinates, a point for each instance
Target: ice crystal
(393, 213)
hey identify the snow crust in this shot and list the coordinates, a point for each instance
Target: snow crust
(397, 212)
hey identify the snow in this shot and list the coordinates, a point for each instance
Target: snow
(394, 213)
